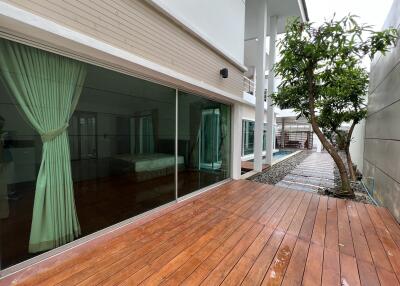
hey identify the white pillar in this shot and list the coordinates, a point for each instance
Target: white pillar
(283, 133)
(260, 83)
(236, 131)
(273, 22)
(274, 133)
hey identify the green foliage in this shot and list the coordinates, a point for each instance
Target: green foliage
(325, 63)
(337, 138)
(341, 139)
(324, 81)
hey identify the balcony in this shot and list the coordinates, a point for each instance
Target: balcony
(249, 86)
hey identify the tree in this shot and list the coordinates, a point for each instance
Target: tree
(344, 103)
(323, 79)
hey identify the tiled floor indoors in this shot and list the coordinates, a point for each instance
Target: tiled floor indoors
(314, 173)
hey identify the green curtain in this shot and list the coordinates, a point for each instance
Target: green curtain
(46, 88)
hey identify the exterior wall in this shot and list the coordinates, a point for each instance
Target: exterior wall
(213, 19)
(137, 27)
(382, 132)
(249, 112)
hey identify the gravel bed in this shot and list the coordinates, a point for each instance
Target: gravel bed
(278, 171)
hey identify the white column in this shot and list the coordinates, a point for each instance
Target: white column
(260, 83)
(274, 133)
(236, 131)
(283, 133)
(273, 21)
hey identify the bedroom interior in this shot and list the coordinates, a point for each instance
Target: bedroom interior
(113, 160)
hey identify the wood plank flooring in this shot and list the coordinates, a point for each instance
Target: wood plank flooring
(242, 233)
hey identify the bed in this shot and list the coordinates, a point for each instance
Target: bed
(149, 166)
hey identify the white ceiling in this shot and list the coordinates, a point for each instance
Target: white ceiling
(282, 8)
(285, 9)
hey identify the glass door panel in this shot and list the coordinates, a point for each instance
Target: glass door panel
(203, 142)
(122, 154)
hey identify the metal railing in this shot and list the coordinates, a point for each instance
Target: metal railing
(249, 86)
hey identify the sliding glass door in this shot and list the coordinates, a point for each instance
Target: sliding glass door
(203, 142)
(83, 148)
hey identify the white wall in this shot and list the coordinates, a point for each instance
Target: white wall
(249, 113)
(357, 145)
(219, 21)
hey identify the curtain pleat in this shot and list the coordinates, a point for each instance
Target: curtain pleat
(46, 88)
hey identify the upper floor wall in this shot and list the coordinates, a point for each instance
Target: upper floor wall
(220, 22)
(137, 28)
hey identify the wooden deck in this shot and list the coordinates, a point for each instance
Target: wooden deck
(242, 233)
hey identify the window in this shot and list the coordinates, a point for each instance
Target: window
(248, 137)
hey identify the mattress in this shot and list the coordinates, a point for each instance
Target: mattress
(150, 162)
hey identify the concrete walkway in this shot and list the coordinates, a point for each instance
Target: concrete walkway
(314, 173)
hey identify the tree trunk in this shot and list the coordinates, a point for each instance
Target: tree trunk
(348, 155)
(346, 190)
(352, 174)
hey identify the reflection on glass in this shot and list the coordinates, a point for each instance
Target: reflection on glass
(114, 136)
(210, 139)
(248, 137)
(83, 148)
(203, 142)
(82, 135)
